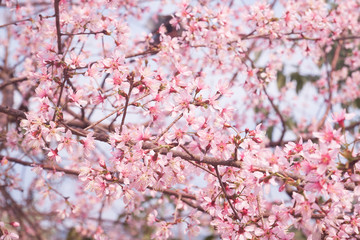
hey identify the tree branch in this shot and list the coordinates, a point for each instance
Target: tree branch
(51, 168)
(12, 112)
(57, 23)
(12, 81)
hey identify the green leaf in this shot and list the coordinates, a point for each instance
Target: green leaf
(357, 102)
(74, 235)
(269, 132)
(210, 237)
(299, 235)
(299, 85)
(290, 123)
(257, 56)
(281, 79)
(311, 78)
(321, 62)
(299, 80)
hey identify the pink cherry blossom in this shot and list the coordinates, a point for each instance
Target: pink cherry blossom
(180, 119)
(67, 142)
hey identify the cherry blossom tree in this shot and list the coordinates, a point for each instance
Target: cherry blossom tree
(226, 119)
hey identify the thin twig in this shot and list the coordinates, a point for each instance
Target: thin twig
(23, 20)
(113, 112)
(131, 80)
(16, 22)
(149, 51)
(60, 95)
(100, 212)
(195, 164)
(283, 123)
(351, 126)
(259, 211)
(107, 116)
(51, 168)
(329, 82)
(226, 196)
(168, 128)
(188, 202)
(85, 33)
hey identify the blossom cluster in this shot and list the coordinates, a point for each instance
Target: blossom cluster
(230, 120)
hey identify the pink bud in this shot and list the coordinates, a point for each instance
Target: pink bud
(108, 176)
(257, 140)
(226, 125)
(102, 163)
(15, 224)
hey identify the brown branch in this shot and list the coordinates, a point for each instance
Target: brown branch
(16, 22)
(7, 92)
(57, 23)
(23, 20)
(318, 39)
(208, 160)
(76, 173)
(188, 202)
(149, 51)
(196, 165)
(12, 112)
(174, 193)
(12, 81)
(163, 150)
(352, 126)
(146, 145)
(86, 33)
(185, 197)
(51, 168)
(22, 4)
